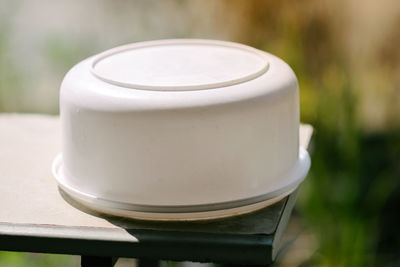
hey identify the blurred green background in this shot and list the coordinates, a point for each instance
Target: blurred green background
(346, 54)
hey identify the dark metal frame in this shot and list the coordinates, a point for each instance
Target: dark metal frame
(252, 239)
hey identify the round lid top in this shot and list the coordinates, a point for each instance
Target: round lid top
(179, 65)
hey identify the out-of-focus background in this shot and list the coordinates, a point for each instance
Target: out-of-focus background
(346, 54)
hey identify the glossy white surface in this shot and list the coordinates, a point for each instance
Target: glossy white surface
(159, 146)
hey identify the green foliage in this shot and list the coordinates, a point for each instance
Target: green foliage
(62, 52)
(16, 259)
(10, 77)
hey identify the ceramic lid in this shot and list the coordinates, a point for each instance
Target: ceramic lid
(180, 129)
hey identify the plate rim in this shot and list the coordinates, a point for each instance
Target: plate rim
(296, 175)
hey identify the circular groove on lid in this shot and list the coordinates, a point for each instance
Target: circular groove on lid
(179, 65)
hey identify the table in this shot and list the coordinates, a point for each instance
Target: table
(36, 217)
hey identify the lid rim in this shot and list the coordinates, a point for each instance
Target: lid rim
(171, 88)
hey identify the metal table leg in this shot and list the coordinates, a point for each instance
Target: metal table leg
(93, 261)
(147, 263)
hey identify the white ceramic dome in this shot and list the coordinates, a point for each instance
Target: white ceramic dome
(180, 129)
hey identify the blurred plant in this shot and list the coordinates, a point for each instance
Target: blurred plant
(17, 259)
(62, 52)
(10, 76)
